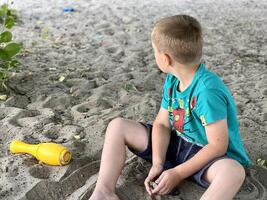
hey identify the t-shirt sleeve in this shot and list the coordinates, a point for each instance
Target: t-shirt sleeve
(211, 106)
(165, 95)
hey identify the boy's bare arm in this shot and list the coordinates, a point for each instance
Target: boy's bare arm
(160, 137)
(217, 136)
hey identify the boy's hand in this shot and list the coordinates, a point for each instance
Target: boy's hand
(153, 173)
(167, 182)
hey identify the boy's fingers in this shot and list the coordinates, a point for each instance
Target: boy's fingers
(148, 189)
(159, 179)
(158, 188)
(164, 191)
(151, 175)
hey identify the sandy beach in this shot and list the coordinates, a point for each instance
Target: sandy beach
(81, 69)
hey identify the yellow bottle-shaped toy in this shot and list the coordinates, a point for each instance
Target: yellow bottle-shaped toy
(49, 153)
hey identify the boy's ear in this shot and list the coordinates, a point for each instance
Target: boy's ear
(167, 60)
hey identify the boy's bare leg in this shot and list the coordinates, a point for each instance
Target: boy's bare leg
(120, 132)
(226, 177)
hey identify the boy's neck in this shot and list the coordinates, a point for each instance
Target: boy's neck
(185, 74)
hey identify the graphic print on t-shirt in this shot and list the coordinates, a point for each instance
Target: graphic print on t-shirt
(180, 110)
(178, 119)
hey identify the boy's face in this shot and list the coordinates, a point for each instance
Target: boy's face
(161, 59)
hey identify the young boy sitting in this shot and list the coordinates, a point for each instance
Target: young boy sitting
(195, 134)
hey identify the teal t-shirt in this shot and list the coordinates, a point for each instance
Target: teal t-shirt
(204, 101)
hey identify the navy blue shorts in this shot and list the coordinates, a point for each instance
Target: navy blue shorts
(178, 152)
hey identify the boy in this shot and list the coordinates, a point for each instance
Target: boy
(195, 133)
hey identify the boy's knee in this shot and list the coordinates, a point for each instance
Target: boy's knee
(240, 174)
(236, 171)
(116, 123)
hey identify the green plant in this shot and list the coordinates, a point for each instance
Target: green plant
(8, 48)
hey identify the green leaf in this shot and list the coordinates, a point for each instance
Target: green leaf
(3, 10)
(4, 55)
(5, 36)
(9, 22)
(12, 49)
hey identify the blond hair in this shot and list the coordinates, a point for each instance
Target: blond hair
(180, 36)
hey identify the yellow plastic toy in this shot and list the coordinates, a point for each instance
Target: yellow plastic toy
(49, 153)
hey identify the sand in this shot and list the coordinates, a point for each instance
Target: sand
(103, 51)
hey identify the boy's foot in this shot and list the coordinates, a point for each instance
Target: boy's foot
(99, 195)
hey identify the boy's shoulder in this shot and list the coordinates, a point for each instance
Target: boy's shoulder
(206, 80)
(210, 80)
(212, 86)
(170, 81)
(170, 78)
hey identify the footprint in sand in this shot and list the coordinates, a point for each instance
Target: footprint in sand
(32, 118)
(39, 171)
(60, 102)
(116, 52)
(255, 185)
(51, 190)
(25, 118)
(80, 88)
